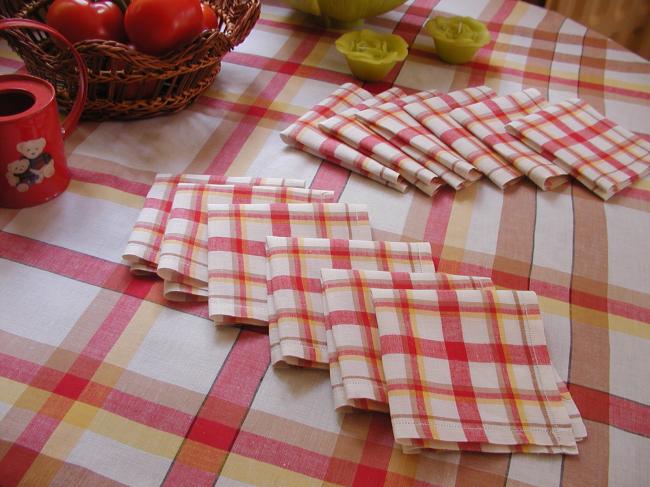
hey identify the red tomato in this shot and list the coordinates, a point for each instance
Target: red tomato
(158, 26)
(209, 17)
(79, 20)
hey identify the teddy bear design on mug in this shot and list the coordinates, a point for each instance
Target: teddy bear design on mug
(33, 167)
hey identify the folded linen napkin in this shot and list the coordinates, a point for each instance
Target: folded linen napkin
(433, 113)
(346, 128)
(144, 242)
(184, 249)
(294, 266)
(237, 255)
(487, 120)
(601, 154)
(469, 369)
(304, 134)
(355, 364)
(391, 121)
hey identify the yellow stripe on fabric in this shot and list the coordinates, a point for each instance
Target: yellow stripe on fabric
(101, 192)
(318, 54)
(250, 100)
(135, 434)
(255, 472)
(512, 378)
(643, 183)
(133, 335)
(80, 415)
(431, 424)
(10, 390)
(459, 224)
(497, 58)
(595, 318)
(63, 440)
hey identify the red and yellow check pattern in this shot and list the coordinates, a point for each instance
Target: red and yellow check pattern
(391, 121)
(350, 131)
(470, 367)
(306, 135)
(433, 114)
(355, 365)
(295, 288)
(601, 154)
(487, 120)
(143, 247)
(237, 255)
(184, 249)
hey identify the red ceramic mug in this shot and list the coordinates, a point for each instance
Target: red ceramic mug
(33, 169)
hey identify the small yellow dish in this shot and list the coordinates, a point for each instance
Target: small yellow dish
(457, 39)
(371, 55)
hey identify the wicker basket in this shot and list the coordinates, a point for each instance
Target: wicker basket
(123, 83)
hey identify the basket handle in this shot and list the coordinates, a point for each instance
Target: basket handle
(72, 118)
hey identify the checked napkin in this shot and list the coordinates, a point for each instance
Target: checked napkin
(143, 245)
(184, 248)
(346, 128)
(355, 364)
(469, 369)
(487, 120)
(602, 155)
(433, 113)
(392, 122)
(304, 134)
(294, 272)
(237, 254)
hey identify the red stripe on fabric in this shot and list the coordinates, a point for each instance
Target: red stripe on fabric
(88, 269)
(17, 369)
(212, 433)
(310, 285)
(289, 457)
(242, 108)
(241, 133)
(436, 226)
(237, 383)
(15, 464)
(116, 182)
(573, 83)
(297, 70)
(38, 431)
(55, 259)
(237, 245)
(331, 177)
(375, 460)
(147, 412)
(613, 410)
(280, 219)
(367, 476)
(71, 386)
(111, 329)
(496, 23)
(185, 475)
(634, 193)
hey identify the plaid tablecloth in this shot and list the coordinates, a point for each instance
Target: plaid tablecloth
(103, 382)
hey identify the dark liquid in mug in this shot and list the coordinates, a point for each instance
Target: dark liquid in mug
(13, 102)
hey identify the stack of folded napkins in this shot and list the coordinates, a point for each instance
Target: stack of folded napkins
(457, 364)
(431, 140)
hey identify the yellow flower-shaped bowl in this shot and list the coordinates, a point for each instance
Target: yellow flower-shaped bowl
(343, 12)
(371, 55)
(457, 39)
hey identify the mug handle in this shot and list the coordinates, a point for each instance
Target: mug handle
(70, 121)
